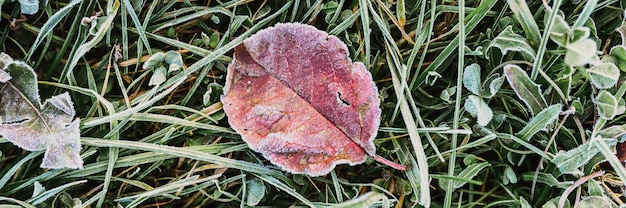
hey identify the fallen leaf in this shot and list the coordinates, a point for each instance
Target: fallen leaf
(32, 126)
(293, 95)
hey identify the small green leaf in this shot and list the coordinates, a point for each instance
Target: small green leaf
(477, 107)
(603, 75)
(255, 191)
(619, 51)
(613, 132)
(447, 94)
(508, 40)
(471, 78)
(606, 104)
(560, 29)
(37, 189)
(174, 60)
(619, 54)
(540, 122)
(523, 203)
(579, 33)
(526, 89)
(214, 40)
(554, 203)
(159, 76)
(494, 85)
(154, 61)
(510, 175)
(594, 202)
(580, 52)
(594, 188)
(467, 174)
(569, 162)
(546, 178)
(29, 7)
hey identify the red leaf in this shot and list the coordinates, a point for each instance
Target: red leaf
(294, 96)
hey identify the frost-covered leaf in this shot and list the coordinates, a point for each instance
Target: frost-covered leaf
(293, 95)
(37, 189)
(525, 88)
(560, 29)
(154, 61)
(33, 126)
(495, 82)
(612, 132)
(29, 7)
(158, 76)
(569, 162)
(619, 52)
(546, 178)
(477, 107)
(540, 122)
(509, 176)
(255, 191)
(174, 60)
(594, 202)
(525, 17)
(508, 40)
(524, 203)
(467, 173)
(447, 94)
(432, 77)
(471, 78)
(579, 33)
(580, 52)
(163, 65)
(554, 203)
(603, 75)
(606, 104)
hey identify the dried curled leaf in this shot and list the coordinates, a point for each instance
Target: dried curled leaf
(33, 126)
(294, 96)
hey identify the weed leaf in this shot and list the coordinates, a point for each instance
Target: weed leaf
(33, 126)
(477, 107)
(525, 88)
(546, 178)
(580, 52)
(604, 75)
(606, 104)
(525, 17)
(569, 162)
(471, 78)
(466, 174)
(540, 122)
(507, 40)
(255, 191)
(612, 132)
(29, 7)
(594, 201)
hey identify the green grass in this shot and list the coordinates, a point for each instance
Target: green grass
(171, 145)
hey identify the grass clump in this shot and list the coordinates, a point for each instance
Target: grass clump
(521, 105)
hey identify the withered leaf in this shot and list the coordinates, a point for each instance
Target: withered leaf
(294, 96)
(34, 126)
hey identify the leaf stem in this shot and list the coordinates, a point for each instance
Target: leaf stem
(389, 163)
